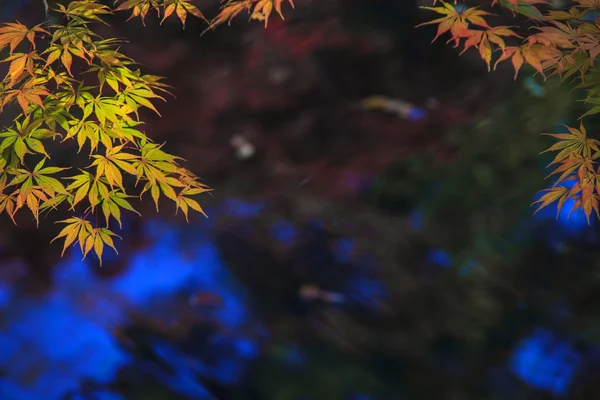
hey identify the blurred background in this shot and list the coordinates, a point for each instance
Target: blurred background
(350, 253)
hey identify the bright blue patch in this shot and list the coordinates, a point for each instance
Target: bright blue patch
(342, 249)
(69, 334)
(226, 369)
(53, 332)
(545, 363)
(416, 114)
(183, 380)
(246, 348)
(440, 258)
(106, 396)
(284, 232)
(5, 294)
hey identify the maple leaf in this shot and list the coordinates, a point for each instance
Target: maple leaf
(592, 98)
(19, 63)
(574, 142)
(454, 21)
(228, 12)
(551, 36)
(181, 9)
(113, 160)
(50, 185)
(13, 33)
(184, 202)
(482, 39)
(7, 203)
(36, 187)
(29, 93)
(85, 9)
(588, 200)
(22, 139)
(572, 14)
(560, 193)
(577, 159)
(262, 11)
(79, 230)
(81, 183)
(112, 205)
(534, 55)
(573, 164)
(138, 95)
(277, 6)
(563, 64)
(139, 8)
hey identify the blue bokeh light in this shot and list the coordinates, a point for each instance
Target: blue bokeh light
(440, 258)
(546, 363)
(416, 114)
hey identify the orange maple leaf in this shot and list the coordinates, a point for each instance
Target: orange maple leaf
(551, 36)
(29, 93)
(13, 33)
(455, 21)
(277, 6)
(139, 8)
(483, 39)
(230, 11)
(560, 193)
(19, 63)
(534, 55)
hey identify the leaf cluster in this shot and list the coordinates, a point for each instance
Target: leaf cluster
(72, 85)
(564, 43)
(576, 163)
(259, 10)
